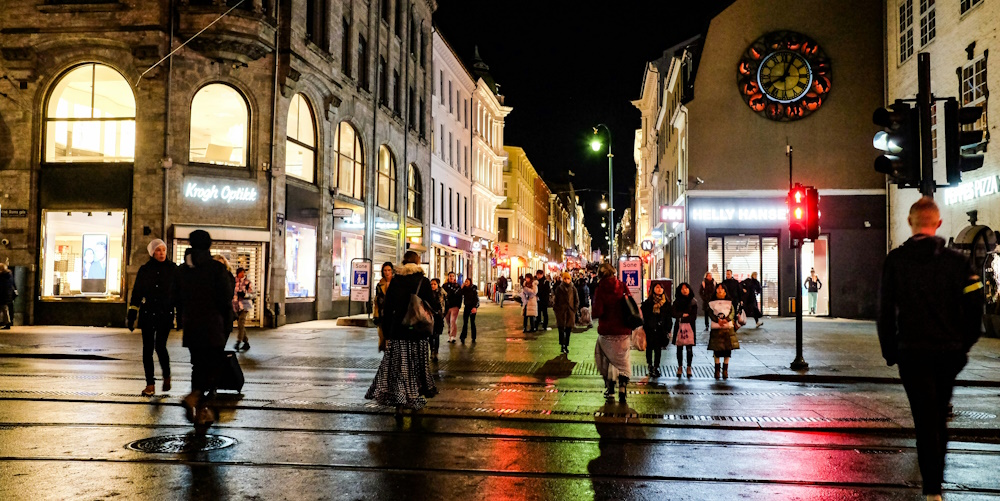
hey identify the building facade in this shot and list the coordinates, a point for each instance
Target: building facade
(959, 36)
(297, 136)
(732, 123)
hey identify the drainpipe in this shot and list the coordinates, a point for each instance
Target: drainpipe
(406, 139)
(269, 298)
(166, 162)
(372, 172)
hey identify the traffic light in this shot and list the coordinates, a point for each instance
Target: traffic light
(812, 213)
(798, 212)
(900, 141)
(957, 140)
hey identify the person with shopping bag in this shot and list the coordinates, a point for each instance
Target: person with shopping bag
(614, 337)
(686, 312)
(722, 338)
(657, 318)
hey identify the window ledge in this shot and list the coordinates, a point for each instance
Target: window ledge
(59, 8)
(297, 299)
(218, 170)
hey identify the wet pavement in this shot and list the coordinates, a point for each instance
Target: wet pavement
(514, 420)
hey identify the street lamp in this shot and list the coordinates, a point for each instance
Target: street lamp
(604, 203)
(595, 145)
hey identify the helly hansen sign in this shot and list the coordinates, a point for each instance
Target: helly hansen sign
(671, 213)
(210, 191)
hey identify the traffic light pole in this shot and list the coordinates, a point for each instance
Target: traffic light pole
(925, 99)
(799, 363)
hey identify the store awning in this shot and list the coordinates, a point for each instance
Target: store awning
(225, 233)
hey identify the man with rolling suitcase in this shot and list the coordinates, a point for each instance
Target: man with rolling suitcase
(204, 293)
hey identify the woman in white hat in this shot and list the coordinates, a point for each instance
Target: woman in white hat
(152, 304)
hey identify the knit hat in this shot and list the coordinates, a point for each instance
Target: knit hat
(200, 239)
(156, 243)
(566, 274)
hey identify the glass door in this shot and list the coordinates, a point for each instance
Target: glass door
(815, 273)
(745, 255)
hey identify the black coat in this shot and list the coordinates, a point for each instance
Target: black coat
(470, 297)
(583, 290)
(544, 292)
(204, 289)
(684, 305)
(454, 295)
(6, 287)
(405, 282)
(930, 302)
(751, 287)
(707, 292)
(657, 325)
(734, 292)
(152, 293)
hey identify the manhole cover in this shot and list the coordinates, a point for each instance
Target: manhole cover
(177, 444)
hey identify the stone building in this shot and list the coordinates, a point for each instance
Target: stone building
(294, 132)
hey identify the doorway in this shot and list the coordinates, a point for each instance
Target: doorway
(816, 257)
(745, 255)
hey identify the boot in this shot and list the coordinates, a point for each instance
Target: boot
(678, 371)
(609, 390)
(689, 372)
(651, 371)
(621, 390)
(717, 369)
(725, 371)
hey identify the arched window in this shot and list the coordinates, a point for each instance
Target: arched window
(350, 159)
(415, 194)
(300, 147)
(220, 119)
(90, 117)
(386, 198)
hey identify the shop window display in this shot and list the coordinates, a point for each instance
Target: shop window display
(83, 252)
(246, 255)
(300, 260)
(300, 149)
(745, 254)
(346, 246)
(220, 119)
(90, 117)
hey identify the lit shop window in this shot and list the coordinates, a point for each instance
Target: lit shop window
(90, 117)
(219, 122)
(300, 148)
(415, 192)
(346, 247)
(82, 253)
(386, 198)
(300, 260)
(350, 159)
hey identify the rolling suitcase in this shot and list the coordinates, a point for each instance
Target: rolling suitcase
(230, 374)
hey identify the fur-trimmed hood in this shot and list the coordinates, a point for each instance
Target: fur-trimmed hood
(409, 269)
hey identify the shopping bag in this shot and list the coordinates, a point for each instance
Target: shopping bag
(685, 335)
(639, 339)
(419, 317)
(630, 312)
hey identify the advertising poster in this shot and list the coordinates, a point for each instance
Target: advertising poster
(94, 263)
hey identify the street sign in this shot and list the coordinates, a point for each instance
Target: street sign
(647, 245)
(630, 274)
(361, 272)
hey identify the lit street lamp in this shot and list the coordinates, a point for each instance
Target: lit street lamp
(596, 146)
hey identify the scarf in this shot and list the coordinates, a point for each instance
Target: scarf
(658, 301)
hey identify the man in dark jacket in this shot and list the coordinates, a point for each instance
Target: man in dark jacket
(152, 305)
(751, 288)
(7, 295)
(733, 291)
(452, 303)
(707, 294)
(501, 289)
(205, 300)
(930, 316)
(544, 293)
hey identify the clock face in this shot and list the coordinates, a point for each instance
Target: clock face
(784, 76)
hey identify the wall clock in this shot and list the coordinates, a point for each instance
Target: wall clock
(784, 76)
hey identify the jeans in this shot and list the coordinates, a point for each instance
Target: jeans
(452, 317)
(653, 356)
(543, 317)
(435, 339)
(812, 301)
(680, 357)
(241, 325)
(708, 316)
(155, 338)
(929, 379)
(530, 323)
(465, 324)
(501, 295)
(564, 336)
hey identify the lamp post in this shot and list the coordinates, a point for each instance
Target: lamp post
(596, 146)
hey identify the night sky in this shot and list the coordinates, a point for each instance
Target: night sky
(565, 66)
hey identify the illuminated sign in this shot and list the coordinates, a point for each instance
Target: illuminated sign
(671, 213)
(436, 237)
(386, 225)
(476, 246)
(228, 192)
(972, 190)
(452, 241)
(353, 222)
(740, 214)
(647, 245)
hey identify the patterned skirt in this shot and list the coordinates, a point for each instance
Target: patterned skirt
(404, 377)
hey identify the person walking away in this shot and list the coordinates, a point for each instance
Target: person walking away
(404, 379)
(657, 319)
(583, 314)
(544, 295)
(733, 291)
(244, 305)
(722, 338)
(930, 311)
(501, 289)
(611, 354)
(470, 297)
(707, 294)
(686, 312)
(204, 292)
(565, 305)
(380, 289)
(453, 298)
(438, 307)
(813, 285)
(7, 294)
(529, 304)
(152, 305)
(751, 288)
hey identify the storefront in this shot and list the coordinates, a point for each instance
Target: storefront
(348, 244)
(750, 235)
(302, 219)
(450, 253)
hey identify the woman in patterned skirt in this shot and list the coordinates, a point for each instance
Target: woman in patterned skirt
(404, 378)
